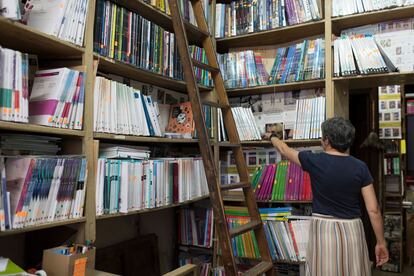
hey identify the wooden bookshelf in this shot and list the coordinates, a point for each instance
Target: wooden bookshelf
(141, 139)
(272, 37)
(17, 36)
(149, 210)
(112, 66)
(368, 81)
(355, 20)
(284, 87)
(42, 226)
(23, 127)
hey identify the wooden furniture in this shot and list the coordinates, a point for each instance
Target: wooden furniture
(26, 39)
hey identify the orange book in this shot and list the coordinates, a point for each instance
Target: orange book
(181, 118)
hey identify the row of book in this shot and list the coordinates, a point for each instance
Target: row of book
(245, 124)
(128, 37)
(282, 181)
(310, 114)
(287, 239)
(298, 62)
(391, 165)
(126, 185)
(121, 109)
(247, 16)
(57, 98)
(195, 227)
(14, 86)
(37, 190)
(360, 54)
(61, 18)
(203, 77)
(345, 7)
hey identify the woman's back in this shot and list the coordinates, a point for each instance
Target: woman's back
(336, 183)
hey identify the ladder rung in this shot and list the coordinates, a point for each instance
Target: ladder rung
(258, 269)
(233, 186)
(204, 66)
(214, 104)
(245, 228)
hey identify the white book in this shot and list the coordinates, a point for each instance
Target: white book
(47, 15)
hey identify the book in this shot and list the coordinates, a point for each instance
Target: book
(127, 185)
(360, 55)
(57, 98)
(287, 238)
(341, 8)
(281, 181)
(245, 16)
(14, 86)
(61, 18)
(195, 226)
(42, 189)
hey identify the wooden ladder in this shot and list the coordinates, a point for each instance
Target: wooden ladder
(224, 233)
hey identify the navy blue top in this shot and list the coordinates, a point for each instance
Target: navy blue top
(336, 183)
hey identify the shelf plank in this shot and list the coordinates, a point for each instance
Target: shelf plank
(272, 37)
(17, 36)
(194, 34)
(149, 210)
(308, 142)
(240, 199)
(111, 66)
(22, 127)
(142, 139)
(355, 20)
(267, 89)
(42, 226)
(375, 80)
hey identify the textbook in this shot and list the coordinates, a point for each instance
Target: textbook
(57, 98)
(126, 185)
(37, 190)
(61, 18)
(247, 16)
(14, 86)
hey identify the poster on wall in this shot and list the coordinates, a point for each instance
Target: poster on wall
(389, 101)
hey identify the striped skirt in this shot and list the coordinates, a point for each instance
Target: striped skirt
(337, 247)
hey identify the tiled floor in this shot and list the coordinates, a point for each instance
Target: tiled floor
(408, 271)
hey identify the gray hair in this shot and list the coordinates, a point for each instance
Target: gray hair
(339, 132)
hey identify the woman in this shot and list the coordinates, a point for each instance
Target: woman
(337, 243)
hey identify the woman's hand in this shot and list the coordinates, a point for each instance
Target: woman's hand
(381, 253)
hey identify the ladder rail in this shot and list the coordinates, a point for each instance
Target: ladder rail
(203, 138)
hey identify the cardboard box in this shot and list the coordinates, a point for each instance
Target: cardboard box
(57, 264)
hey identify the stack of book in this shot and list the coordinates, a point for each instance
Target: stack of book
(57, 98)
(345, 7)
(245, 124)
(14, 86)
(121, 109)
(126, 185)
(126, 36)
(247, 16)
(62, 18)
(360, 54)
(25, 144)
(195, 227)
(392, 166)
(310, 114)
(299, 62)
(287, 240)
(282, 181)
(203, 77)
(37, 190)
